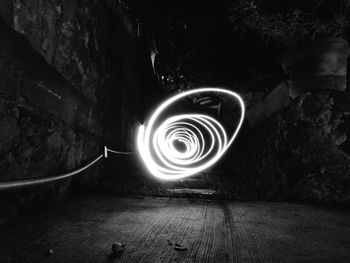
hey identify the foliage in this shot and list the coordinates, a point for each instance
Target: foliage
(296, 25)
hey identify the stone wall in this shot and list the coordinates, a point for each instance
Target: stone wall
(34, 144)
(72, 79)
(60, 87)
(302, 152)
(63, 32)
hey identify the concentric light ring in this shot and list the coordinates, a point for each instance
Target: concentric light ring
(156, 144)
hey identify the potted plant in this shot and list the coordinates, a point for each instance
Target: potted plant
(316, 52)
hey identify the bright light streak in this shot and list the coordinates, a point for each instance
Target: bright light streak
(156, 143)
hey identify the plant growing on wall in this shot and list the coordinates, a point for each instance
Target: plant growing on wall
(299, 23)
(311, 31)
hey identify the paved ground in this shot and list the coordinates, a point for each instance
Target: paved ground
(83, 229)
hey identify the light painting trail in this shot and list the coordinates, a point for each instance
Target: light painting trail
(8, 185)
(156, 143)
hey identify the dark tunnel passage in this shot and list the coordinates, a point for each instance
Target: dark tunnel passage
(248, 159)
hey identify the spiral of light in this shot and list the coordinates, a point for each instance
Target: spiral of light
(203, 139)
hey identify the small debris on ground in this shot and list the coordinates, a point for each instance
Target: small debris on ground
(118, 248)
(177, 246)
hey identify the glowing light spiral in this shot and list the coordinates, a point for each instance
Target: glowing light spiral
(157, 143)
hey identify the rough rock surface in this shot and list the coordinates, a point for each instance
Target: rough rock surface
(71, 36)
(302, 153)
(33, 144)
(64, 33)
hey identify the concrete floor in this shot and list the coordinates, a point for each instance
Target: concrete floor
(83, 229)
